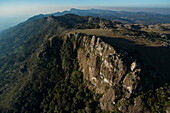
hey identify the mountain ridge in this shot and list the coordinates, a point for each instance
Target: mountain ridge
(135, 17)
(45, 68)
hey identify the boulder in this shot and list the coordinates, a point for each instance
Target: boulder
(134, 66)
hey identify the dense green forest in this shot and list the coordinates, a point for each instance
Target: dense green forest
(55, 84)
(39, 70)
(27, 83)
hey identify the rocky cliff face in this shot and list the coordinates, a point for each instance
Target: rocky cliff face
(112, 73)
(42, 74)
(119, 80)
(115, 79)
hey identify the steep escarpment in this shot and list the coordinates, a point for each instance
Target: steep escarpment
(21, 43)
(50, 82)
(81, 73)
(114, 74)
(52, 71)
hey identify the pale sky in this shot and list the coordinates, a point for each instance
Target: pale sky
(13, 12)
(11, 8)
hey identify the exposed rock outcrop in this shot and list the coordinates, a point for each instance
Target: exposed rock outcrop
(106, 70)
(100, 63)
(111, 72)
(105, 24)
(50, 18)
(107, 102)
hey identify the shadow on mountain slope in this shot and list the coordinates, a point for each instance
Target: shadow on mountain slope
(157, 57)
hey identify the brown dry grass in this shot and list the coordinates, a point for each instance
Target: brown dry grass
(109, 33)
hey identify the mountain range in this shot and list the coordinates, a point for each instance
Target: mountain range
(137, 16)
(122, 16)
(86, 61)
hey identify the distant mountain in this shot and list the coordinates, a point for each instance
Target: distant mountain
(48, 65)
(122, 16)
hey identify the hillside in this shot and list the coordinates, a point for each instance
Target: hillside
(74, 63)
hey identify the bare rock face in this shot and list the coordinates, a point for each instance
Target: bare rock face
(108, 100)
(131, 82)
(108, 73)
(104, 24)
(50, 18)
(42, 55)
(100, 63)
(133, 66)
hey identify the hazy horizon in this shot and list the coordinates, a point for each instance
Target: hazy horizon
(7, 22)
(13, 12)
